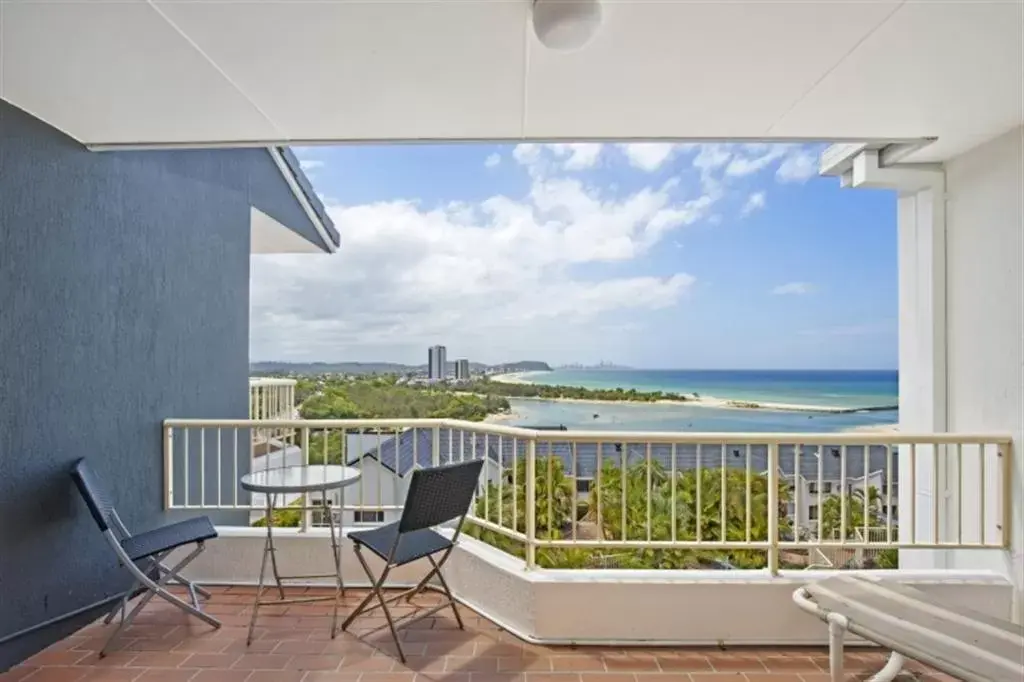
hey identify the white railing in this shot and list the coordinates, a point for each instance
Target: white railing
(271, 398)
(653, 499)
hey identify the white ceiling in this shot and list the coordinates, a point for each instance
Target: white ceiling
(213, 71)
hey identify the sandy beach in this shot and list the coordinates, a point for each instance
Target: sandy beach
(504, 418)
(691, 400)
(875, 428)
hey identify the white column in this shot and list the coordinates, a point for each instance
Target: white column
(923, 391)
(922, 362)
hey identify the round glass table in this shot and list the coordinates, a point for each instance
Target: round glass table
(300, 480)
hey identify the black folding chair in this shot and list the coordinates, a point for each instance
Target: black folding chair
(143, 554)
(436, 496)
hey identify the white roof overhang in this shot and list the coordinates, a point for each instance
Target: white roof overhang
(211, 72)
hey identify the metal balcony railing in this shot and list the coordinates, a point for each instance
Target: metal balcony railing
(633, 499)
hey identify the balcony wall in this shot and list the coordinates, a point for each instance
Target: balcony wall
(985, 311)
(124, 280)
(599, 606)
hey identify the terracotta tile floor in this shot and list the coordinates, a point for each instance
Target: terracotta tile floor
(293, 645)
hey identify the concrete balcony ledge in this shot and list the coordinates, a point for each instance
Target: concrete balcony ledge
(634, 607)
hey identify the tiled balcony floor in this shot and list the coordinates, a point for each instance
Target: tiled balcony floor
(293, 645)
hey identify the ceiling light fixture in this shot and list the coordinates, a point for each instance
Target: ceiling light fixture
(566, 24)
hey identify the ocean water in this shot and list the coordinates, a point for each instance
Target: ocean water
(803, 387)
(848, 389)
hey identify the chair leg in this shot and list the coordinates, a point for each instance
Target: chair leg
(180, 580)
(157, 563)
(444, 585)
(120, 605)
(378, 584)
(158, 589)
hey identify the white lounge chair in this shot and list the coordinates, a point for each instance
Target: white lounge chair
(912, 624)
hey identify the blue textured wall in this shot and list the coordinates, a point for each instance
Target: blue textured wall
(124, 299)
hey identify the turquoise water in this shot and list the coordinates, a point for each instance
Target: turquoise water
(837, 389)
(828, 388)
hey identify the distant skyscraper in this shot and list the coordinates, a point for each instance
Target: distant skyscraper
(462, 370)
(437, 362)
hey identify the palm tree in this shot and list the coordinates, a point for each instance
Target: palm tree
(854, 504)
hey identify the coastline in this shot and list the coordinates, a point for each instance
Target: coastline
(503, 417)
(693, 400)
(874, 428)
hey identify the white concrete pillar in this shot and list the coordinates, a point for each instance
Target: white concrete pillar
(922, 363)
(923, 394)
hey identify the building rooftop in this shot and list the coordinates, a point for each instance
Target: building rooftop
(415, 445)
(293, 645)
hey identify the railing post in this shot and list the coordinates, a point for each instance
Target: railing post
(304, 447)
(531, 504)
(1005, 452)
(435, 446)
(773, 508)
(168, 467)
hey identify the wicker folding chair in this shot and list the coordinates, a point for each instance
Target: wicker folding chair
(143, 554)
(436, 495)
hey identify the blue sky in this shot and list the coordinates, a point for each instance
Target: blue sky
(660, 256)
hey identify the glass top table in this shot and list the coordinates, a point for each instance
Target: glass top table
(301, 481)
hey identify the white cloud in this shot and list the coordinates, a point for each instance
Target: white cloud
(649, 156)
(793, 288)
(548, 274)
(501, 276)
(754, 158)
(755, 201)
(578, 156)
(543, 158)
(492, 160)
(527, 152)
(310, 164)
(712, 156)
(796, 162)
(797, 167)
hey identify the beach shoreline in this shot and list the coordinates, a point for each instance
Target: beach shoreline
(693, 400)
(874, 428)
(504, 417)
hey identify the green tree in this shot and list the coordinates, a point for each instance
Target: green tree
(284, 518)
(505, 505)
(648, 495)
(494, 388)
(381, 397)
(832, 513)
(658, 489)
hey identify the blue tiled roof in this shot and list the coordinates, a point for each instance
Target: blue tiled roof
(414, 446)
(711, 456)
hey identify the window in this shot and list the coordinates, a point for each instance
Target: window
(812, 512)
(368, 517)
(828, 487)
(812, 488)
(318, 517)
(583, 485)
